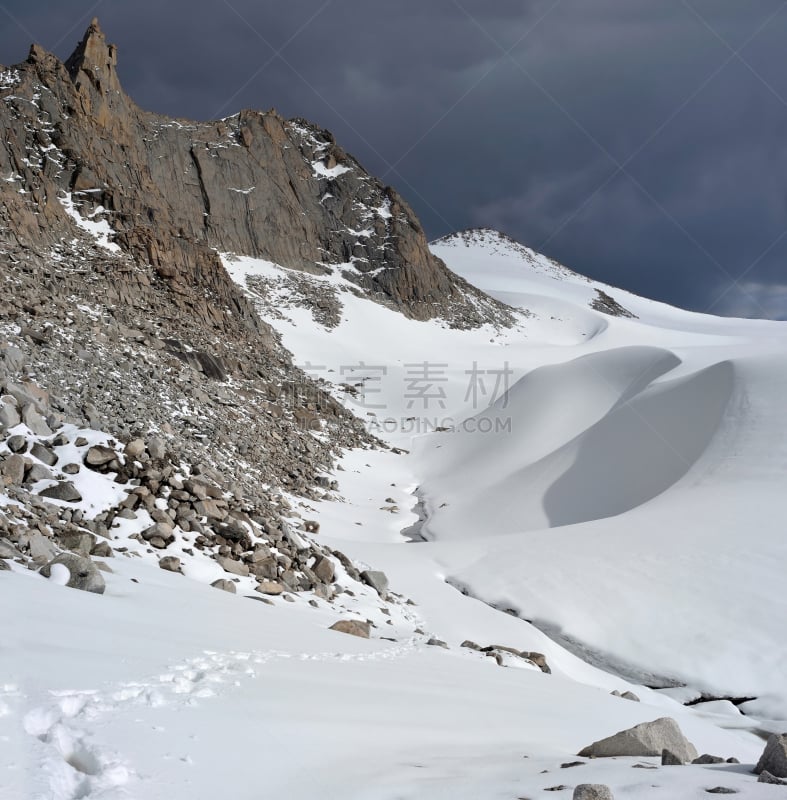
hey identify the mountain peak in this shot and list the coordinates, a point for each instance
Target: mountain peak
(92, 65)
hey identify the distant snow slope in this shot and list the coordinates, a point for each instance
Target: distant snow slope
(626, 493)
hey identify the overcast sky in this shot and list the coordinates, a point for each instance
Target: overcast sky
(641, 142)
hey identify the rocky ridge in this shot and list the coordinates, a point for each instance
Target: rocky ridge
(172, 193)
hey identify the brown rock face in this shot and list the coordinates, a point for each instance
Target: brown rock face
(176, 192)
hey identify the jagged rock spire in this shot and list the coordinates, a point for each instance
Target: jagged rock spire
(92, 67)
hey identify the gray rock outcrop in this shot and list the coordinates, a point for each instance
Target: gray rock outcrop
(645, 739)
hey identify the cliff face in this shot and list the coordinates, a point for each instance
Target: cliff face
(175, 192)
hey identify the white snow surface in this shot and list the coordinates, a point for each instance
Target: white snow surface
(627, 501)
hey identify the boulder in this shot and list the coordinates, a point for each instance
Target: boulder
(157, 448)
(592, 791)
(266, 569)
(269, 587)
(7, 550)
(3, 566)
(708, 759)
(98, 456)
(377, 580)
(38, 472)
(13, 470)
(64, 491)
(224, 585)
(170, 563)
(354, 627)
(774, 757)
(17, 443)
(766, 777)
(159, 530)
(669, 759)
(82, 572)
(77, 542)
(44, 454)
(9, 416)
(323, 568)
(35, 421)
(233, 566)
(42, 549)
(645, 739)
(135, 448)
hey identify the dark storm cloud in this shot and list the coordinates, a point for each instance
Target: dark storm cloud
(626, 139)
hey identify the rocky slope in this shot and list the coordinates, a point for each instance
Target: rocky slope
(145, 406)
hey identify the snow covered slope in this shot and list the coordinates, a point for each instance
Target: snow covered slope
(614, 481)
(627, 482)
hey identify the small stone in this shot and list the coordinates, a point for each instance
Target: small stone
(64, 491)
(269, 587)
(3, 566)
(83, 573)
(80, 441)
(592, 791)
(570, 764)
(71, 469)
(721, 790)
(224, 585)
(354, 627)
(437, 643)
(630, 696)
(159, 530)
(170, 563)
(470, 644)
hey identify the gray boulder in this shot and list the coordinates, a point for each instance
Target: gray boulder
(645, 739)
(354, 627)
(669, 759)
(7, 550)
(9, 416)
(64, 491)
(77, 542)
(705, 758)
(592, 791)
(98, 456)
(774, 757)
(13, 470)
(233, 566)
(170, 563)
(377, 580)
(224, 585)
(35, 421)
(41, 548)
(323, 568)
(84, 574)
(44, 454)
(766, 777)
(269, 587)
